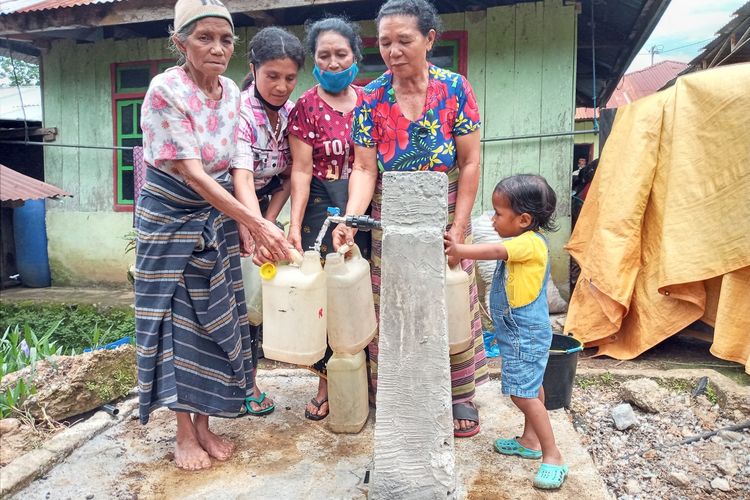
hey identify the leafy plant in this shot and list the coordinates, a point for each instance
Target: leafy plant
(76, 322)
(97, 335)
(19, 72)
(711, 394)
(604, 380)
(21, 347)
(130, 237)
(11, 399)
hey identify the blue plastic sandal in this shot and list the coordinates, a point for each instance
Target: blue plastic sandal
(550, 477)
(513, 447)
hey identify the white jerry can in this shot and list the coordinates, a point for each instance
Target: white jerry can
(351, 309)
(458, 303)
(294, 311)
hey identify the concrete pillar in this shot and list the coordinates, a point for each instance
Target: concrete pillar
(413, 421)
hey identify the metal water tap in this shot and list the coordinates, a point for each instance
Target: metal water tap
(359, 222)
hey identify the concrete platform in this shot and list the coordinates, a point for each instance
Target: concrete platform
(283, 455)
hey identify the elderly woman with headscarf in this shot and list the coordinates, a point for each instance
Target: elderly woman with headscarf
(196, 349)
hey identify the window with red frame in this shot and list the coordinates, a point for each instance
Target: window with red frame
(449, 52)
(129, 85)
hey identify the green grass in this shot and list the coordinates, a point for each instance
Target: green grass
(604, 380)
(78, 323)
(678, 385)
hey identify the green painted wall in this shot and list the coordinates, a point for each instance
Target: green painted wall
(88, 247)
(521, 66)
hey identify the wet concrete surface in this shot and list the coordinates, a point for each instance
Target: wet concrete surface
(283, 455)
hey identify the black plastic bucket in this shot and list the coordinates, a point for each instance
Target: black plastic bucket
(561, 371)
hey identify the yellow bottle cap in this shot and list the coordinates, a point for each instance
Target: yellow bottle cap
(267, 271)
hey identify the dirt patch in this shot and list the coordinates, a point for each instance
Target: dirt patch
(258, 453)
(484, 485)
(18, 437)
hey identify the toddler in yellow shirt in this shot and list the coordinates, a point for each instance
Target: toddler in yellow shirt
(524, 205)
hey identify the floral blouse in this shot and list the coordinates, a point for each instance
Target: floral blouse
(258, 149)
(450, 110)
(179, 122)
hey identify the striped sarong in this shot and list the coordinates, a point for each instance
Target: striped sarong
(469, 368)
(196, 349)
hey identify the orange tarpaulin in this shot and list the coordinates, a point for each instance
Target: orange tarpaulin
(663, 239)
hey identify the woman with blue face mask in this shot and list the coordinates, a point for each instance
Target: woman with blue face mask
(322, 150)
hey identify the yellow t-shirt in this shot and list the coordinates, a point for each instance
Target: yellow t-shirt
(525, 268)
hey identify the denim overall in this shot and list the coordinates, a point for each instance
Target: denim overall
(524, 335)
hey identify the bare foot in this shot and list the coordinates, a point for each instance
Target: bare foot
(190, 455)
(188, 452)
(217, 447)
(526, 442)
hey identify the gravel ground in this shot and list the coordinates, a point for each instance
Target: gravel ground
(645, 461)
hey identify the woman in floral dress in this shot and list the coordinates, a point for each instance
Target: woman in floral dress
(417, 116)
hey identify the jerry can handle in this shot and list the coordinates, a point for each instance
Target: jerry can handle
(345, 248)
(296, 256)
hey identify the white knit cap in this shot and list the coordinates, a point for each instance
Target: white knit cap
(188, 11)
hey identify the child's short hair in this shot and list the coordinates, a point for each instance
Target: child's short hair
(529, 193)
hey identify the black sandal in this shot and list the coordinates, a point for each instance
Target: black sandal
(466, 411)
(316, 404)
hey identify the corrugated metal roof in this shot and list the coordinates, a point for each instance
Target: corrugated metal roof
(645, 82)
(730, 46)
(638, 84)
(14, 186)
(20, 6)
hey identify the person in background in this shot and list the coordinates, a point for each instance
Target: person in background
(417, 116)
(524, 206)
(195, 348)
(263, 164)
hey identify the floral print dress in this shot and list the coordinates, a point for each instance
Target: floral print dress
(450, 110)
(180, 122)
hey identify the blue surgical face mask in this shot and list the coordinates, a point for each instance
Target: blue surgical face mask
(336, 82)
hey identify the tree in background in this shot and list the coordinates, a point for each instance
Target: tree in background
(26, 74)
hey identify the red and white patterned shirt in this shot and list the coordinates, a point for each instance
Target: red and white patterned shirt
(328, 131)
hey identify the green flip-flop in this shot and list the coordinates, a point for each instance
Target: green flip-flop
(513, 447)
(550, 477)
(259, 401)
